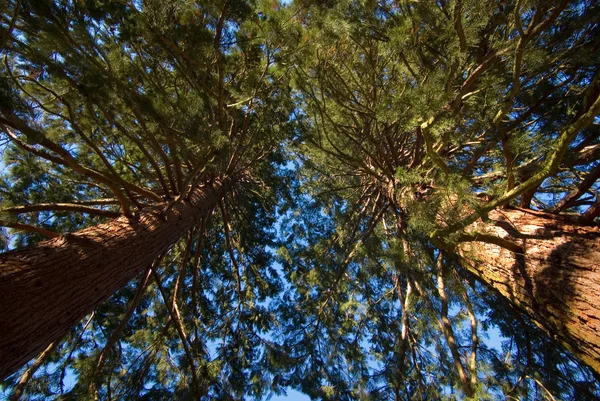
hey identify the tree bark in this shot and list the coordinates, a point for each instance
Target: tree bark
(551, 272)
(47, 288)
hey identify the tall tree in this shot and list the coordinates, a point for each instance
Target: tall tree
(167, 115)
(423, 120)
(149, 138)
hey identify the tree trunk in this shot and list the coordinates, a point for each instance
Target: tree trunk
(552, 274)
(47, 288)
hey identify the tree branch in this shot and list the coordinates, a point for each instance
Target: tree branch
(458, 26)
(18, 390)
(73, 207)
(29, 228)
(446, 327)
(65, 157)
(550, 167)
(176, 316)
(571, 198)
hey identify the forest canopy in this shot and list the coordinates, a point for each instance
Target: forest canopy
(369, 199)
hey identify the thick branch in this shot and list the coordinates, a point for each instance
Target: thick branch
(18, 390)
(176, 317)
(435, 157)
(446, 327)
(64, 158)
(576, 193)
(593, 211)
(458, 26)
(29, 228)
(71, 207)
(141, 287)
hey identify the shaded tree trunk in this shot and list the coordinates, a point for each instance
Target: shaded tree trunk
(551, 272)
(47, 288)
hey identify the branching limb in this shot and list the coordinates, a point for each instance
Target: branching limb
(141, 287)
(548, 168)
(405, 302)
(435, 157)
(474, 336)
(576, 193)
(593, 211)
(12, 25)
(491, 239)
(65, 158)
(196, 266)
(515, 87)
(458, 25)
(229, 244)
(176, 317)
(18, 390)
(156, 146)
(29, 228)
(142, 148)
(446, 327)
(71, 207)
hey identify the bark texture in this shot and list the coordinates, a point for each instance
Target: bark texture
(553, 273)
(47, 288)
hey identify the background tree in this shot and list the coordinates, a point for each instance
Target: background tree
(418, 120)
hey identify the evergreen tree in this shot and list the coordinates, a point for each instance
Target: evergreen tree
(423, 127)
(430, 168)
(171, 116)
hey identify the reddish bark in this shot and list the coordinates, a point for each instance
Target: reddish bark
(554, 277)
(47, 288)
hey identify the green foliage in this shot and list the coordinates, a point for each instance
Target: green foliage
(354, 130)
(400, 139)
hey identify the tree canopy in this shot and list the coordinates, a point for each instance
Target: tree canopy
(374, 162)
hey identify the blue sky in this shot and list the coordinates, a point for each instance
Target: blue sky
(292, 395)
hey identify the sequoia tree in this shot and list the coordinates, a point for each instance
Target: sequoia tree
(426, 171)
(424, 127)
(167, 115)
